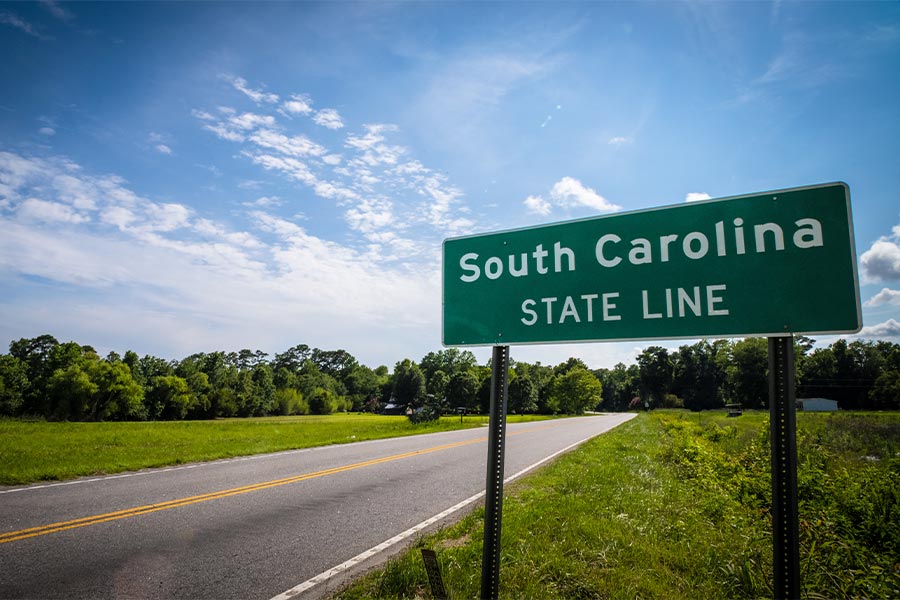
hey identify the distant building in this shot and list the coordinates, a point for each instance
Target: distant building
(817, 404)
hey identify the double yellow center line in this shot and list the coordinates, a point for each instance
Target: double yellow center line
(22, 534)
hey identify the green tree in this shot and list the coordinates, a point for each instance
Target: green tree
(437, 384)
(462, 389)
(285, 378)
(311, 379)
(409, 383)
(577, 390)
(885, 393)
(523, 394)
(571, 363)
(169, 398)
(620, 386)
(292, 359)
(656, 373)
(363, 385)
(697, 376)
(450, 361)
(264, 388)
(200, 388)
(846, 372)
(747, 375)
(223, 380)
(322, 401)
(118, 396)
(288, 401)
(69, 391)
(35, 355)
(13, 385)
(336, 363)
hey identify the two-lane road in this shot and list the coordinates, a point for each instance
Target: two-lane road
(251, 527)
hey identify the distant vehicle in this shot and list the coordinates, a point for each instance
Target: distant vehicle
(393, 409)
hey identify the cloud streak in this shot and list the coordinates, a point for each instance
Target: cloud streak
(382, 190)
(93, 231)
(13, 20)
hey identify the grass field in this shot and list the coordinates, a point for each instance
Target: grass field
(675, 505)
(37, 451)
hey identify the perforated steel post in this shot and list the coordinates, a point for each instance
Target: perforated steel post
(493, 502)
(783, 435)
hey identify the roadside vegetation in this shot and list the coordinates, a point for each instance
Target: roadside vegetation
(45, 379)
(37, 451)
(675, 505)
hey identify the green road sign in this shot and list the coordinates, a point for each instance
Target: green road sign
(768, 264)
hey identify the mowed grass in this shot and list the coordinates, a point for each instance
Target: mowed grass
(675, 505)
(40, 451)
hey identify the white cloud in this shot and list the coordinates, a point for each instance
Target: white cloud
(885, 296)
(568, 192)
(538, 206)
(257, 96)
(696, 196)
(886, 329)
(202, 115)
(157, 262)
(265, 202)
(298, 145)
(291, 167)
(372, 182)
(298, 104)
(224, 133)
(371, 215)
(373, 150)
(328, 117)
(163, 149)
(618, 141)
(34, 209)
(211, 229)
(47, 131)
(249, 121)
(76, 190)
(167, 217)
(881, 262)
(331, 190)
(118, 216)
(414, 168)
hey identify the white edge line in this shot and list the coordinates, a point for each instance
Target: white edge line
(337, 570)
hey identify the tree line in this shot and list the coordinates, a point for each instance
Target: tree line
(41, 377)
(860, 375)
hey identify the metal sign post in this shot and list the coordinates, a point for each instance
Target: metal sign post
(493, 503)
(783, 426)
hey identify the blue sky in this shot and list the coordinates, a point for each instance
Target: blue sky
(185, 177)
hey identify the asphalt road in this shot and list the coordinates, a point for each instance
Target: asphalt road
(253, 527)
